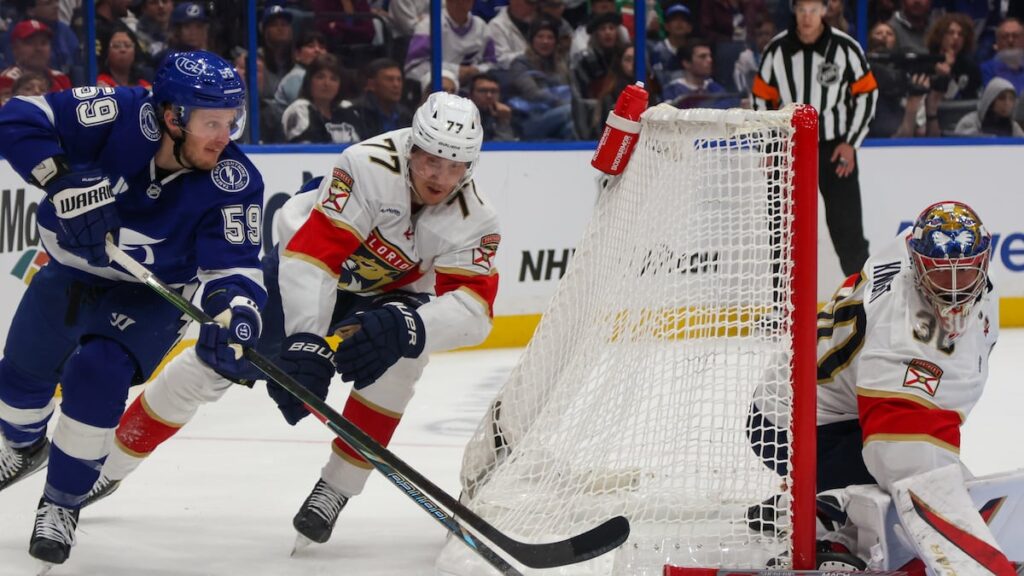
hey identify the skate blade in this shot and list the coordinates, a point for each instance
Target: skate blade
(301, 543)
(44, 568)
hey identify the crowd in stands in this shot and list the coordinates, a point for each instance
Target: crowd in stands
(340, 71)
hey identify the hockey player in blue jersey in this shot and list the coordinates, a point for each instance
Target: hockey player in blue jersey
(160, 174)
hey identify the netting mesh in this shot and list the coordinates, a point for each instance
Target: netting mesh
(634, 394)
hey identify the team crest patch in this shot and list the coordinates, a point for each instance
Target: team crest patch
(147, 122)
(828, 74)
(230, 176)
(484, 255)
(923, 375)
(339, 192)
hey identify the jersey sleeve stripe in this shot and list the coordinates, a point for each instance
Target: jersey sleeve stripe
(483, 288)
(323, 242)
(840, 356)
(925, 404)
(898, 419)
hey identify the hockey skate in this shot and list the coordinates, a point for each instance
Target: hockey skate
(829, 556)
(315, 519)
(19, 463)
(101, 489)
(53, 534)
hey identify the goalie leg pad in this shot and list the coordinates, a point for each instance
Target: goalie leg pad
(941, 522)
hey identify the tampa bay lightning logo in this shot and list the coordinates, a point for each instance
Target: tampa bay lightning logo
(230, 176)
(147, 122)
(186, 65)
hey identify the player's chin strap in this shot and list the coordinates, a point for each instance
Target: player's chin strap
(594, 542)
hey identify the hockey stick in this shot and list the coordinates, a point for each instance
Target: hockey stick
(590, 544)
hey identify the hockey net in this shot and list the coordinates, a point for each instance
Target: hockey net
(633, 397)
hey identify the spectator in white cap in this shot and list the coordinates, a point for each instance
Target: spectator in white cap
(30, 44)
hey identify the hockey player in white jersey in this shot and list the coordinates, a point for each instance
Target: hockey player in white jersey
(903, 350)
(395, 248)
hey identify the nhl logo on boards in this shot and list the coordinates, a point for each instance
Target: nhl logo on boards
(230, 176)
(923, 375)
(828, 74)
(147, 122)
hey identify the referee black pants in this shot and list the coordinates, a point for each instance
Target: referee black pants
(842, 210)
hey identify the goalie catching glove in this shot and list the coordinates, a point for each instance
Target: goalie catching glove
(84, 204)
(385, 335)
(220, 342)
(308, 359)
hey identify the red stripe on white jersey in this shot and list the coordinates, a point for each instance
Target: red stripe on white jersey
(484, 286)
(320, 239)
(902, 417)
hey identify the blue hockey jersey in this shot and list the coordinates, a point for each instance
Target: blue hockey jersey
(185, 226)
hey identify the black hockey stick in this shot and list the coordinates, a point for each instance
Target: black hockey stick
(592, 543)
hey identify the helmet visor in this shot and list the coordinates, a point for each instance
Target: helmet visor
(436, 176)
(211, 123)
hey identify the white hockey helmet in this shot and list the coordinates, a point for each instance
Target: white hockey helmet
(448, 126)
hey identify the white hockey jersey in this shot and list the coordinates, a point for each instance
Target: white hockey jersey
(360, 233)
(882, 358)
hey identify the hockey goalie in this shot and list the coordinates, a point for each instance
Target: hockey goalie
(903, 350)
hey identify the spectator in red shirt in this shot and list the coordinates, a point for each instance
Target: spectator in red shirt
(30, 44)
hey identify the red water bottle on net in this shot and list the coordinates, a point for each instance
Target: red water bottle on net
(621, 131)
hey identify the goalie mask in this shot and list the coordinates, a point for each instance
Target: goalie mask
(200, 79)
(448, 127)
(950, 248)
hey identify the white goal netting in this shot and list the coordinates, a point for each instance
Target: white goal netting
(634, 394)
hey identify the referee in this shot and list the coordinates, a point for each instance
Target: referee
(813, 63)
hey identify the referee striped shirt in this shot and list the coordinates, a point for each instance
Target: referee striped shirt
(831, 75)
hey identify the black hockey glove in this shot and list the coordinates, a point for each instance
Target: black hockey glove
(85, 210)
(309, 359)
(385, 335)
(219, 344)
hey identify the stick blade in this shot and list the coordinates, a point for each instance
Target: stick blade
(594, 542)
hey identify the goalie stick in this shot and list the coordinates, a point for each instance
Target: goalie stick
(590, 544)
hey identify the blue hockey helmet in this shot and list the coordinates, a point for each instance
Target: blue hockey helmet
(950, 249)
(200, 79)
